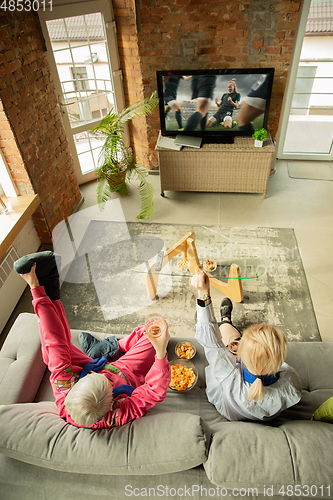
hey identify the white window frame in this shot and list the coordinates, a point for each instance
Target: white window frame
(6, 179)
(288, 97)
(83, 8)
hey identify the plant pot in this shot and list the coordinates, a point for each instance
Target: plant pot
(258, 144)
(116, 181)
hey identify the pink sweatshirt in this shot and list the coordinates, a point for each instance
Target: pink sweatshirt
(66, 361)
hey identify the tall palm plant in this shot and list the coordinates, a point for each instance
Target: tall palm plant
(118, 165)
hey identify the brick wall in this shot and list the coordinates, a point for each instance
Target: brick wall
(128, 45)
(152, 35)
(31, 132)
(190, 34)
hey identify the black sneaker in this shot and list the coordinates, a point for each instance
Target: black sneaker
(47, 265)
(226, 308)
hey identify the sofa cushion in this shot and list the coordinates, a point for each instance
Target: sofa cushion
(156, 444)
(300, 448)
(305, 408)
(21, 364)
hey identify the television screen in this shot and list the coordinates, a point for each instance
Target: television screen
(214, 104)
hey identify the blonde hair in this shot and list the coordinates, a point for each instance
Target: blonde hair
(89, 399)
(262, 349)
(233, 80)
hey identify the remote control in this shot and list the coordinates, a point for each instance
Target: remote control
(159, 260)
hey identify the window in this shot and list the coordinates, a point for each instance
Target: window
(82, 50)
(80, 78)
(7, 185)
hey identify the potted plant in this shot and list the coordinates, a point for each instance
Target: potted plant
(259, 135)
(118, 164)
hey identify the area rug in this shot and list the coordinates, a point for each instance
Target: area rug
(104, 289)
(311, 170)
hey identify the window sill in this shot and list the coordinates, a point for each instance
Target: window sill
(11, 224)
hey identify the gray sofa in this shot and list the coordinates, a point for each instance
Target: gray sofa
(182, 449)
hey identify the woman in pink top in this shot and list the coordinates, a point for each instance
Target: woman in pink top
(88, 401)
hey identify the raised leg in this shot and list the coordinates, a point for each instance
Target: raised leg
(228, 333)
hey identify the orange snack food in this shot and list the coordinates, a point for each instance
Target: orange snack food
(183, 263)
(181, 377)
(185, 350)
(209, 265)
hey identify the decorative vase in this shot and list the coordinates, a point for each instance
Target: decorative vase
(258, 144)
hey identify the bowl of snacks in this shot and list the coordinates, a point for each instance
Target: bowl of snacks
(183, 264)
(185, 350)
(209, 265)
(184, 375)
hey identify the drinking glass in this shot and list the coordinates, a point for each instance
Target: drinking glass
(155, 325)
(233, 347)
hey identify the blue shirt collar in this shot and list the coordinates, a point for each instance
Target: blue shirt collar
(267, 380)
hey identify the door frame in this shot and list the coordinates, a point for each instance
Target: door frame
(72, 10)
(288, 97)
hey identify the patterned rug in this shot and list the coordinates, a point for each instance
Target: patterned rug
(104, 292)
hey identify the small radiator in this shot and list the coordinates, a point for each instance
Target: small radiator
(11, 286)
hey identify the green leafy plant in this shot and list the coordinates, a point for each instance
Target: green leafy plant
(118, 165)
(260, 134)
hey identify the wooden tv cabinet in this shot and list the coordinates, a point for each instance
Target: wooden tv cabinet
(225, 168)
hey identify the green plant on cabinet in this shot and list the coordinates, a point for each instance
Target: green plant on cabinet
(260, 134)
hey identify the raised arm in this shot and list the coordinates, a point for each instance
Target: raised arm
(207, 331)
(154, 389)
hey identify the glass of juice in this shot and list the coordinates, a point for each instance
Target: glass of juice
(233, 347)
(155, 325)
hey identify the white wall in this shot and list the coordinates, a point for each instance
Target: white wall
(317, 47)
(27, 241)
(10, 292)
(318, 51)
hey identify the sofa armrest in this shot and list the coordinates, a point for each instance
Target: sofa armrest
(313, 363)
(21, 364)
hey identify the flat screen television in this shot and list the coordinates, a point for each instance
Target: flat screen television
(215, 105)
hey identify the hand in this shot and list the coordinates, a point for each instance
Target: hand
(229, 99)
(93, 366)
(123, 389)
(31, 277)
(160, 343)
(200, 281)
